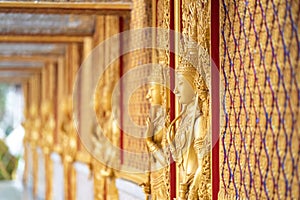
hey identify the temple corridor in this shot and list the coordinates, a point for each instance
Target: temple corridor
(149, 99)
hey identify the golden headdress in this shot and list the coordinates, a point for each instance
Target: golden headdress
(195, 67)
(156, 75)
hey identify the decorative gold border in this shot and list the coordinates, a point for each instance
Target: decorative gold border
(67, 8)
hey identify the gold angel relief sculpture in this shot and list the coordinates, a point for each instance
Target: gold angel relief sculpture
(158, 183)
(35, 126)
(105, 142)
(48, 127)
(69, 136)
(189, 143)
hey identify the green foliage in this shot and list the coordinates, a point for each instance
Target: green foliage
(8, 163)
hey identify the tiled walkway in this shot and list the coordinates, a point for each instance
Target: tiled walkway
(13, 190)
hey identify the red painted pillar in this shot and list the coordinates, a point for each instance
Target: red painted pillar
(215, 80)
(121, 91)
(172, 96)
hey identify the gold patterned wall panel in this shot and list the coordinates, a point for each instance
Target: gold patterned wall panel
(138, 106)
(157, 185)
(190, 141)
(259, 150)
(107, 111)
(106, 83)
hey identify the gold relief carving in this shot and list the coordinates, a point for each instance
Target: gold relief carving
(190, 143)
(158, 178)
(156, 185)
(68, 187)
(26, 159)
(112, 191)
(26, 125)
(99, 181)
(196, 27)
(72, 182)
(106, 139)
(104, 175)
(189, 19)
(69, 179)
(146, 185)
(141, 16)
(83, 156)
(69, 135)
(35, 158)
(69, 148)
(108, 135)
(203, 23)
(49, 176)
(166, 18)
(164, 22)
(48, 127)
(35, 123)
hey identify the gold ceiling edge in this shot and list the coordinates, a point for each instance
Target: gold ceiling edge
(13, 80)
(42, 38)
(33, 58)
(25, 69)
(67, 8)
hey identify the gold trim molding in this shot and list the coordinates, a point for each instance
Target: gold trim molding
(67, 8)
(41, 38)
